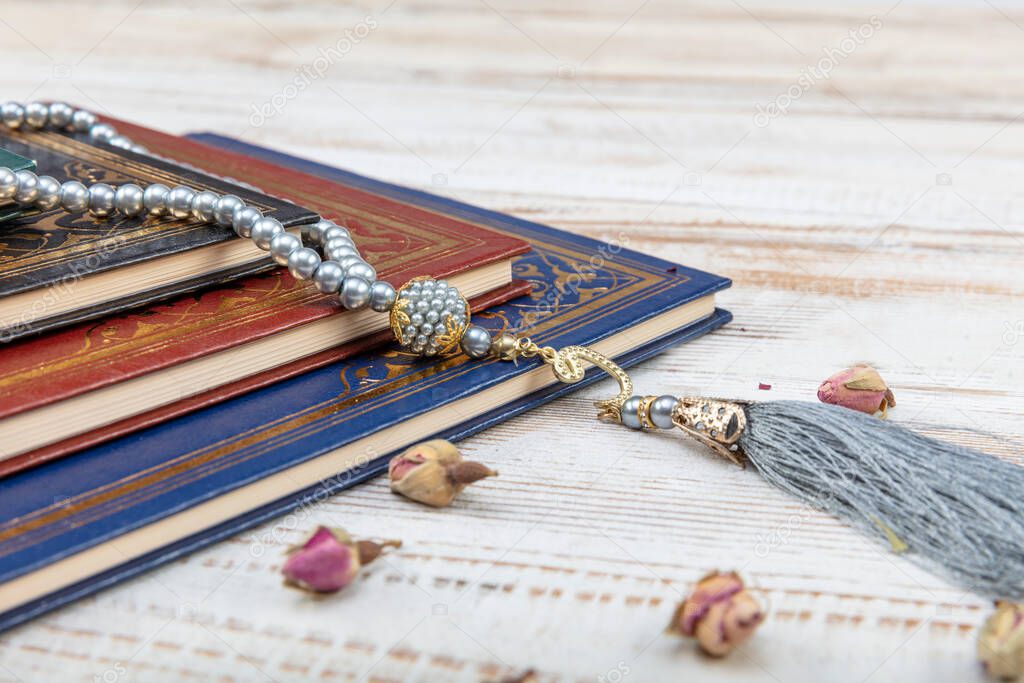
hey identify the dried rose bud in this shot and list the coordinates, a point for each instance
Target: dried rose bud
(329, 560)
(434, 473)
(858, 388)
(720, 613)
(1001, 641)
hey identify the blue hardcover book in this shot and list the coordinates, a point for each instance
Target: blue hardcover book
(76, 525)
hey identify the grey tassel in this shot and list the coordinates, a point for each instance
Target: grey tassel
(948, 506)
(951, 506)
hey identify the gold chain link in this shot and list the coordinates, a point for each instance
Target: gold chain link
(528, 349)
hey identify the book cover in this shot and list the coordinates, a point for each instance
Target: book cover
(107, 432)
(191, 481)
(402, 242)
(49, 254)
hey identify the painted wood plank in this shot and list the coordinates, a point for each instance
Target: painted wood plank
(879, 218)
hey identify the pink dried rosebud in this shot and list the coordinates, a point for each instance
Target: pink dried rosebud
(329, 560)
(857, 388)
(434, 473)
(1001, 641)
(720, 613)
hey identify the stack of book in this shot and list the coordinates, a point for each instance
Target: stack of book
(163, 385)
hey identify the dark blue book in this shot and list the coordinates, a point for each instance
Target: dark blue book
(76, 525)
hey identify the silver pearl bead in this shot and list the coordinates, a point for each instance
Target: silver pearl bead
(225, 208)
(340, 253)
(179, 201)
(630, 412)
(203, 205)
(302, 263)
(243, 218)
(154, 199)
(328, 277)
(476, 342)
(8, 184)
(83, 120)
(49, 193)
(340, 247)
(101, 199)
(347, 261)
(661, 411)
(363, 270)
(334, 232)
(36, 114)
(13, 114)
(282, 245)
(313, 233)
(355, 293)
(120, 141)
(264, 230)
(382, 296)
(60, 115)
(74, 196)
(340, 241)
(101, 132)
(128, 200)
(28, 187)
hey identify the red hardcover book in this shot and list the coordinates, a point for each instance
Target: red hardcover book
(85, 384)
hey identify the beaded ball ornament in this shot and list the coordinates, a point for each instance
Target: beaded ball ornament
(429, 316)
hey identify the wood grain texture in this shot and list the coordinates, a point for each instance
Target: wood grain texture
(878, 219)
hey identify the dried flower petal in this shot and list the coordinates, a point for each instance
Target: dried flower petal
(720, 613)
(403, 464)
(858, 388)
(467, 472)
(323, 564)
(369, 551)
(329, 560)
(434, 473)
(1001, 641)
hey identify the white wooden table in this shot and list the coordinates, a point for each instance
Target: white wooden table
(879, 218)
